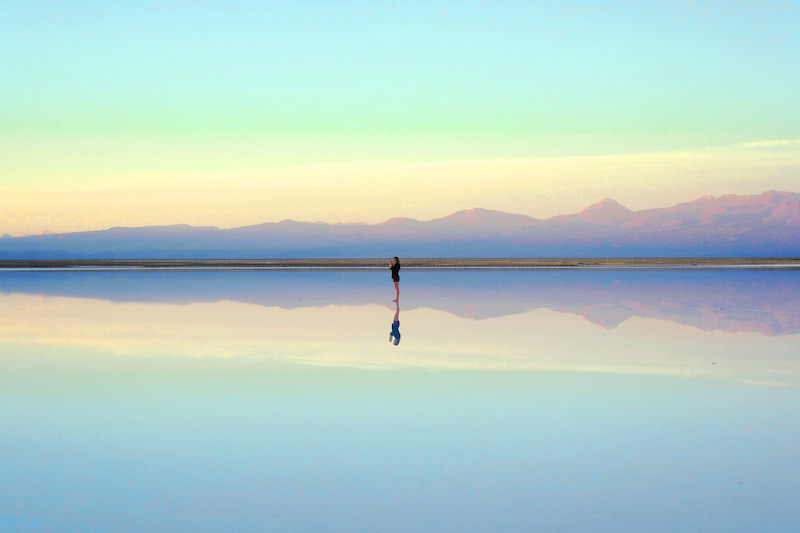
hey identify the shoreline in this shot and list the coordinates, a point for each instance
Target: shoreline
(408, 264)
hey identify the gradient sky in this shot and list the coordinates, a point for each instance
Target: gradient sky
(242, 112)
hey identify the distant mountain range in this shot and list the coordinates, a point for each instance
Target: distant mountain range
(764, 225)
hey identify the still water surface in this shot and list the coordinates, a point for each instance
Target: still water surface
(513, 401)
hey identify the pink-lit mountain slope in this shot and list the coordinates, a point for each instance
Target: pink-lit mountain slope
(605, 213)
(758, 225)
(766, 224)
(772, 207)
(729, 211)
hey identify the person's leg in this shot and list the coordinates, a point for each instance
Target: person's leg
(397, 291)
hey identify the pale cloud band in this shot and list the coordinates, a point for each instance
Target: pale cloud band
(85, 209)
(375, 190)
(779, 143)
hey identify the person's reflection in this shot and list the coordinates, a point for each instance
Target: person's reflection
(394, 335)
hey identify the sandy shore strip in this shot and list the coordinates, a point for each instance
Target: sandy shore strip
(408, 263)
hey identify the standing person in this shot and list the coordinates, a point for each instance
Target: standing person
(394, 265)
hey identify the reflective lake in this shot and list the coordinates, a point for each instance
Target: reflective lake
(581, 400)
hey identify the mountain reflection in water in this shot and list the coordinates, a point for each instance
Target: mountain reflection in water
(766, 302)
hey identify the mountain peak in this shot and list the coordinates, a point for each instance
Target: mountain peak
(606, 211)
(478, 216)
(399, 220)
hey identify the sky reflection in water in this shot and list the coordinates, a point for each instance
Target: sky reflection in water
(515, 401)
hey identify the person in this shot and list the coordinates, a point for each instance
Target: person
(394, 335)
(394, 265)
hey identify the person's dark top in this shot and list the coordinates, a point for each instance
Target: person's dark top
(396, 272)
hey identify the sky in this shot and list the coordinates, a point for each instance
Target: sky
(230, 113)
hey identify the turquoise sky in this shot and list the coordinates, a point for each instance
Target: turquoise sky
(150, 95)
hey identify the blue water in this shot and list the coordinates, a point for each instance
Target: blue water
(528, 401)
